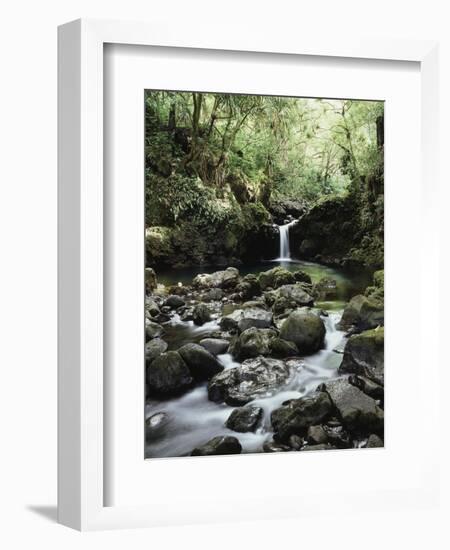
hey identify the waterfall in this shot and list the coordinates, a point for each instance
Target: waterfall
(285, 251)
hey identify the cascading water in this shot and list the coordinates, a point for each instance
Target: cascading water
(285, 251)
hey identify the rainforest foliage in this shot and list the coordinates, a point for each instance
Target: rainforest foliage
(222, 166)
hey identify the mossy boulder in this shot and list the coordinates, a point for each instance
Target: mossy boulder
(252, 343)
(364, 355)
(362, 313)
(168, 375)
(305, 329)
(274, 278)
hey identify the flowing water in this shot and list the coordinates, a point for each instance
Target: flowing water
(192, 419)
(285, 250)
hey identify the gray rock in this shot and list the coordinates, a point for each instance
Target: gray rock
(359, 413)
(374, 441)
(364, 355)
(201, 314)
(295, 293)
(174, 302)
(228, 278)
(321, 447)
(152, 330)
(305, 329)
(154, 348)
(216, 346)
(253, 379)
(274, 447)
(256, 317)
(274, 278)
(325, 289)
(155, 426)
(369, 387)
(302, 277)
(168, 375)
(150, 279)
(244, 419)
(221, 445)
(362, 313)
(316, 435)
(213, 295)
(295, 417)
(252, 343)
(282, 348)
(202, 364)
(230, 321)
(151, 307)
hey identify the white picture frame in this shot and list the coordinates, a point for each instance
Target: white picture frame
(81, 420)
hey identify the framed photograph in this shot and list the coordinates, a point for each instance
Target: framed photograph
(236, 316)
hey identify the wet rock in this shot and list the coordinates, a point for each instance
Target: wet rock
(362, 313)
(154, 348)
(295, 294)
(216, 346)
(274, 278)
(226, 279)
(252, 343)
(253, 379)
(152, 330)
(274, 447)
(316, 435)
(338, 436)
(305, 329)
(151, 307)
(282, 348)
(221, 445)
(201, 314)
(174, 301)
(213, 295)
(299, 414)
(255, 317)
(150, 279)
(374, 441)
(364, 355)
(296, 442)
(359, 413)
(325, 289)
(168, 375)
(244, 419)
(230, 321)
(155, 426)
(202, 364)
(249, 287)
(369, 387)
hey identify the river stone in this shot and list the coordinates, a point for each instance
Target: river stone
(213, 295)
(275, 447)
(305, 329)
(295, 417)
(359, 412)
(152, 330)
(216, 346)
(201, 314)
(151, 307)
(374, 441)
(249, 286)
(295, 294)
(282, 348)
(221, 445)
(255, 378)
(364, 355)
(316, 435)
(338, 436)
(274, 278)
(155, 426)
(168, 375)
(302, 277)
(228, 278)
(202, 364)
(230, 321)
(174, 302)
(320, 447)
(244, 419)
(252, 343)
(154, 348)
(369, 387)
(255, 317)
(150, 279)
(362, 313)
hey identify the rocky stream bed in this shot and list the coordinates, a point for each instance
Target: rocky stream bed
(274, 357)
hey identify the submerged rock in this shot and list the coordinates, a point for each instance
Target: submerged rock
(252, 343)
(359, 413)
(305, 329)
(168, 375)
(244, 419)
(201, 314)
(221, 445)
(216, 346)
(295, 417)
(202, 364)
(154, 348)
(254, 378)
(364, 355)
